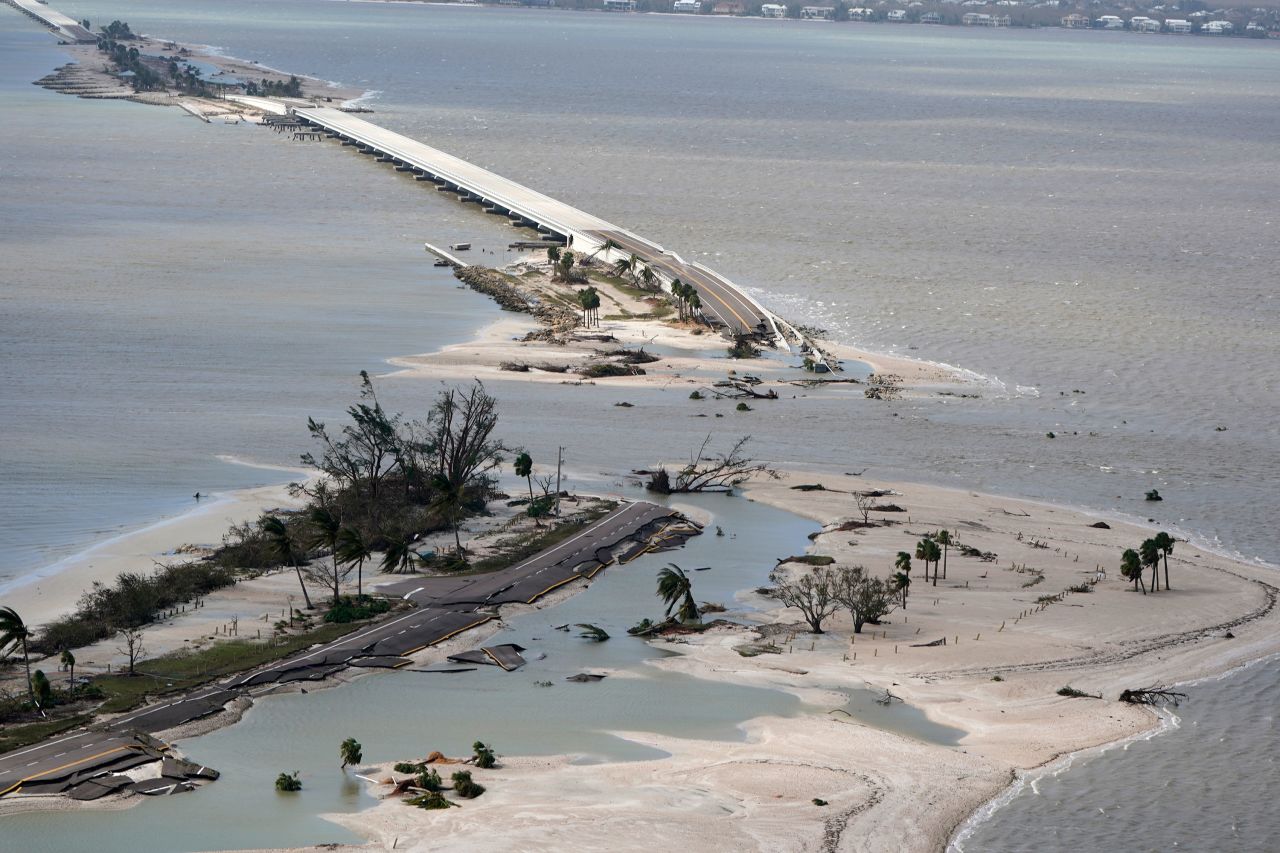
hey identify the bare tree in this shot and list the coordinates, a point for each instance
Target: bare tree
(868, 599)
(813, 594)
(464, 421)
(710, 473)
(865, 503)
(132, 648)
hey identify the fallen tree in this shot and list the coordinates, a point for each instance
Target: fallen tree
(1152, 696)
(710, 474)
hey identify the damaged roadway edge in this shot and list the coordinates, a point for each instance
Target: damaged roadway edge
(89, 764)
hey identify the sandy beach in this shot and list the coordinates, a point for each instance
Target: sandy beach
(1014, 634)
(886, 791)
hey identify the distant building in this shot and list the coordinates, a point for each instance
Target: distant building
(688, 7)
(1219, 28)
(1177, 25)
(1077, 21)
(619, 5)
(897, 16)
(773, 10)
(931, 18)
(1142, 24)
(1109, 22)
(860, 13)
(728, 7)
(981, 19)
(818, 13)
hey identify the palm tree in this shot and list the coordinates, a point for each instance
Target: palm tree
(629, 266)
(943, 538)
(1131, 568)
(354, 548)
(400, 556)
(69, 661)
(922, 554)
(1165, 543)
(593, 304)
(648, 278)
(553, 255)
(678, 290)
(901, 583)
(1149, 553)
(325, 527)
(903, 562)
(450, 502)
(676, 591)
(695, 301)
(606, 247)
(524, 468)
(14, 633)
(280, 542)
(350, 751)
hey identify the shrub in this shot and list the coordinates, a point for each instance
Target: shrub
(408, 767)
(350, 751)
(288, 783)
(465, 787)
(484, 755)
(605, 369)
(743, 348)
(743, 407)
(429, 780)
(431, 800)
(695, 395)
(349, 610)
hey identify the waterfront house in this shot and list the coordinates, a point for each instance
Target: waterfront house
(687, 7)
(1177, 25)
(898, 16)
(729, 7)
(773, 10)
(1219, 28)
(861, 13)
(1109, 22)
(931, 18)
(1076, 21)
(981, 19)
(818, 13)
(619, 5)
(1143, 24)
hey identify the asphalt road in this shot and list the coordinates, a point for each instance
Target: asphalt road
(724, 302)
(445, 607)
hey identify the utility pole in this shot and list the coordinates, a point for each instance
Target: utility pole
(559, 462)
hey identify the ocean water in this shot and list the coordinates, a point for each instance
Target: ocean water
(1088, 225)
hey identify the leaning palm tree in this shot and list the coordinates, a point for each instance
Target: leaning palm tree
(1149, 554)
(400, 558)
(902, 583)
(649, 278)
(353, 547)
(1131, 568)
(69, 661)
(280, 541)
(943, 538)
(676, 591)
(524, 468)
(325, 527)
(606, 247)
(1165, 543)
(14, 634)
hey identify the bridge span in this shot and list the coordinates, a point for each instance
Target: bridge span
(722, 301)
(63, 26)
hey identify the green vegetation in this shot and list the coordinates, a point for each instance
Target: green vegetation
(484, 756)
(429, 780)
(431, 800)
(291, 88)
(676, 591)
(1073, 693)
(134, 599)
(409, 767)
(350, 751)
(18, 736)
(349, 609)
(605, 369)
(180, 671)
(288, 783)
(743, 407)
(589, 300)
(14, 634)
(592, 632)
(465, 787)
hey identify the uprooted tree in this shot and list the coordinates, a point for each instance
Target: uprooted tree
(710, 473)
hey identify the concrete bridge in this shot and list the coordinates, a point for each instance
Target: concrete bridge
(64, 27)
(722, 302)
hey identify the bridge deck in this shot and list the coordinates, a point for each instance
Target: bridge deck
(70, 29)
(721, 300)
